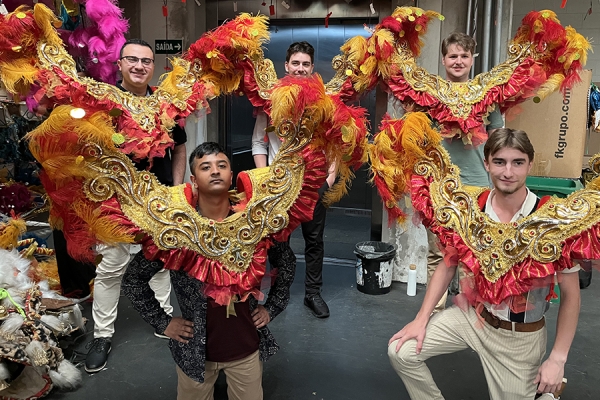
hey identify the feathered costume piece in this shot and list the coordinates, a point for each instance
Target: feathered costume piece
(543, 57)
(32, 52)
(226, 55)
(98, 195)
(229, 70)
(541, 51)
(32, 317)
(411, 137)
(502, 260)
(366, 61)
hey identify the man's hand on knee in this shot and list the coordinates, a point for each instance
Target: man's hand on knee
(180, 329)
(414, 330)
(550, 376)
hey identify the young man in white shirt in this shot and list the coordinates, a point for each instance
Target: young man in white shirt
(511, 343)
(299, 62)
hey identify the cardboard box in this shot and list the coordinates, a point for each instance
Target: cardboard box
(557, 128)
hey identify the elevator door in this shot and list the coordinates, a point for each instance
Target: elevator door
(239, 119)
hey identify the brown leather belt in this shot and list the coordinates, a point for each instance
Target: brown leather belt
(495, 322)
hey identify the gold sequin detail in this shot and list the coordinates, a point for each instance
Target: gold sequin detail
(499, 246)
(164, 213)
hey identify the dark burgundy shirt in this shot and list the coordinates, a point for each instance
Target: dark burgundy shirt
(229, 339)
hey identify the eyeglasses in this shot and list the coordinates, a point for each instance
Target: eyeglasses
(133, 60)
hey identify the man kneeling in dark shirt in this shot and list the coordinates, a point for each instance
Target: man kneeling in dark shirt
(204, 340)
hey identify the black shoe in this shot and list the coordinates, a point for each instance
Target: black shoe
(97, 354)
(317, 305)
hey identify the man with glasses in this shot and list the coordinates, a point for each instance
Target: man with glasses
(136, 64)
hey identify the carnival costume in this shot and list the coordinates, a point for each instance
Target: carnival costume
(98, 195)
(503, 260)
(86, 143)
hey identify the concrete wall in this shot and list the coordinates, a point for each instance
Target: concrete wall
(131, 11)
(574, 14)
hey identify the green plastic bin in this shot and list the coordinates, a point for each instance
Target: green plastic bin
(553, 186)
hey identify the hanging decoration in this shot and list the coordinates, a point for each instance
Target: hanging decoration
(589, 11)
(327, 19)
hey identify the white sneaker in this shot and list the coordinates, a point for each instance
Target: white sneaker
(160, 335)
(548, 396)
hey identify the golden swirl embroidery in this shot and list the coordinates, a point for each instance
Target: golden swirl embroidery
(140, 108)
(265, 75)
(459, 97)
(499, 246)
(340, 65)
(164, 213)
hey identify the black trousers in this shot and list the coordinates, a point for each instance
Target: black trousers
(314, 249)
(74, 276)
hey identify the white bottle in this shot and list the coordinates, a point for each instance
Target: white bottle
(411, 287)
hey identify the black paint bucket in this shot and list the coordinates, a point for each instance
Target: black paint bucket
(374, 267)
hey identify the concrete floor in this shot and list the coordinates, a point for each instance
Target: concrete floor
(342, 357)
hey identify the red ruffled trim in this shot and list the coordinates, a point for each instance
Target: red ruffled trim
(249, 86)
(220, 282)
(523, 276)
(139, 144)
(348, 93)
(526, 78)
(315, 174)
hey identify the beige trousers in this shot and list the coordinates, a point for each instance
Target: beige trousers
(434, 257)
(107, 288)
(244, 380)
(510, 359)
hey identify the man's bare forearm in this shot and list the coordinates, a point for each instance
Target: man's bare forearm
(568, 316)
(435, 289)
(260, 160)
(179, 166)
